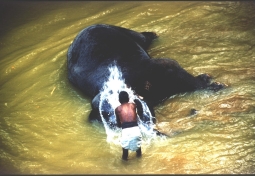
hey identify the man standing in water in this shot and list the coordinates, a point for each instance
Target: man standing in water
(127, 119)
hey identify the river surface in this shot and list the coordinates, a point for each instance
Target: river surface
(43, 119)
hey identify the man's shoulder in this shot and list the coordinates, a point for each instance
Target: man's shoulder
(117, 108)
(132, 104)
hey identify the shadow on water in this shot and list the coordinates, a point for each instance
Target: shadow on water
(12, 13)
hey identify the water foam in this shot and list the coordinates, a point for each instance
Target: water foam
(110, 94)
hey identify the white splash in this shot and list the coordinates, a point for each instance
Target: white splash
(110, 94)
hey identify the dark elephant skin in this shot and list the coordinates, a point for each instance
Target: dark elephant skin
(99, 46)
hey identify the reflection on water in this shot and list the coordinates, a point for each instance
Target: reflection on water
(43, 119)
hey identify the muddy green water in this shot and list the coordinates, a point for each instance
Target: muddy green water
(43, 120)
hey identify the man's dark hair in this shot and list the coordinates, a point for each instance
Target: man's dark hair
(123, 97)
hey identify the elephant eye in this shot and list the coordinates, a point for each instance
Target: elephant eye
(147, 85)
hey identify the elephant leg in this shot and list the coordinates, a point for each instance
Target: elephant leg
(144, 39)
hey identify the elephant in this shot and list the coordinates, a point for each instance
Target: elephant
(98, 47)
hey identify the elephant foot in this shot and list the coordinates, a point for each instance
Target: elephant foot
(206, 78)
(150, 35)
(216, 86)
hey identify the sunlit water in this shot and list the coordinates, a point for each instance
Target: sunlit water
(43, 119)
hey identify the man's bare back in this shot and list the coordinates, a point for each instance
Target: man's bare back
(126, 112)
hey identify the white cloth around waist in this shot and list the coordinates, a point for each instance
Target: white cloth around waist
(131, 138)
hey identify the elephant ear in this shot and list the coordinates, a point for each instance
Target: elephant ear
(95, 101)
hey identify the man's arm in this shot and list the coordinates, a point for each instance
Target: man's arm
(117, 119)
